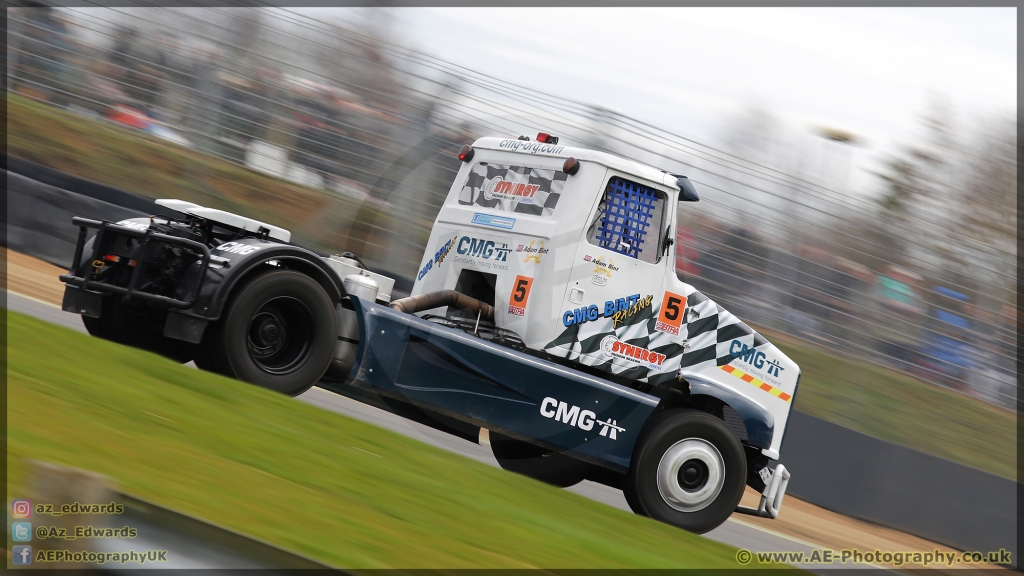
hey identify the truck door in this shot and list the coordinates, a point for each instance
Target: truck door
(616, 281)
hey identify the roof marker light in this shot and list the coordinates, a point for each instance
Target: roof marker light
(571, 166)
(466, 154)
(546, 138)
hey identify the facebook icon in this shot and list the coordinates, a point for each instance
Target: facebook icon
(21, 554)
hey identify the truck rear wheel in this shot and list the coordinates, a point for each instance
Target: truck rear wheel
(536, 462)
(279, 332)
(688, 470)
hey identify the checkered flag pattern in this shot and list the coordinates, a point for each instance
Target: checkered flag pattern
(710, 330)
(516, 189)
(708, 334)
(628, 208)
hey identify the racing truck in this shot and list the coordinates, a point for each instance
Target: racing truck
(546, 319)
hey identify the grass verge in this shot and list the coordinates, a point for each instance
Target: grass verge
(888, 405)
(336, 489)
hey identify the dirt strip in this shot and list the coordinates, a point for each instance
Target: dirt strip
(798, 519)
(34, 278)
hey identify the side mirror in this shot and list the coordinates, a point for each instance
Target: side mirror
(687, 193)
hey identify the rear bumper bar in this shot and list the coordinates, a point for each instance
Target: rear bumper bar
(148, 239)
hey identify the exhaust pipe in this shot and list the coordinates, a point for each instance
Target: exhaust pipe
(421, 302)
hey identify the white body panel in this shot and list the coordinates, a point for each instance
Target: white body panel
(222, 217)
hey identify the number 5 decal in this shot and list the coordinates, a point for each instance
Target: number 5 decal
(671, 316)
(520, 294)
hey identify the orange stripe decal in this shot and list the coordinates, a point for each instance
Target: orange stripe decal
(759, 383)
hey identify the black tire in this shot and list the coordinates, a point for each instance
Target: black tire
(279, 332)
(536, 462)
(119, 323)
(688, 470)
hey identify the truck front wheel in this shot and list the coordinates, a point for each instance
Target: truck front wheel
(688, 470)
(279, 332)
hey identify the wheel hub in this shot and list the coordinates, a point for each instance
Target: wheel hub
(279, 335)
(691, 474)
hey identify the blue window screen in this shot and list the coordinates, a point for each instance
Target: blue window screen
(625, 217)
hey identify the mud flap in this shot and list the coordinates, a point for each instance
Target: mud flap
(84, 302)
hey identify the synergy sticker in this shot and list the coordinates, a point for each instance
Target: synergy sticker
(495, 221)
(673, 307)
(520, 295)
(508, 190)
(613, 347)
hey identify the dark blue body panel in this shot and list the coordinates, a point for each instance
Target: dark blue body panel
(759, 422)
(456, 374)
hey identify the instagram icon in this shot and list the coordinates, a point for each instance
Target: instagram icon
(21, 509)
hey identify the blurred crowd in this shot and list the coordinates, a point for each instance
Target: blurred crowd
(188, 89)
(891, 316)
(353, 130)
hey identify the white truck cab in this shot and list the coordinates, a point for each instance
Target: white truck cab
(573, 248)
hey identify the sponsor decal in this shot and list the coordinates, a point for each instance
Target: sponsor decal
(236, 248)
(501, 189)
(598, 280)
(575, 416)
(756, 361)
(755, 382)
(495, 221)
(673, 308)
(531, 147)
(619, 310)
(520, 295)
(602, 267)
(533, 254)
(439, 257)
(614, 348)
(774, 368)
(621, 313)
(133, 225)
(751, 356)
(486, 249)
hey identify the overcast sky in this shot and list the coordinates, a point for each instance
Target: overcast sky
(870, 71)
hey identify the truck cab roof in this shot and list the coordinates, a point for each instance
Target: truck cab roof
(530, 147)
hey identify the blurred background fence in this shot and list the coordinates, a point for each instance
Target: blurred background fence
(353, 137)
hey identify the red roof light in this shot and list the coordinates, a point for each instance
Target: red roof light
(546, 138)
(466, 154)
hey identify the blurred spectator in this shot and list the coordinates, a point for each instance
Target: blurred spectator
(241, 114)
(900, 308)
(687, 254)
(945, 355)
(43, 48)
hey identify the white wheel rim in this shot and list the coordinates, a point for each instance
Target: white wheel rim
(698, 454)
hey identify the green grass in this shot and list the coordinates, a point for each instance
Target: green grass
(888, 405)
(338, 490)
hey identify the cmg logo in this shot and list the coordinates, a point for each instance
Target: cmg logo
(574, 416)
(750, 355)
(485, 249)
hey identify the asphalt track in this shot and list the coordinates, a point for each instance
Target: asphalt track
(734, 532)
